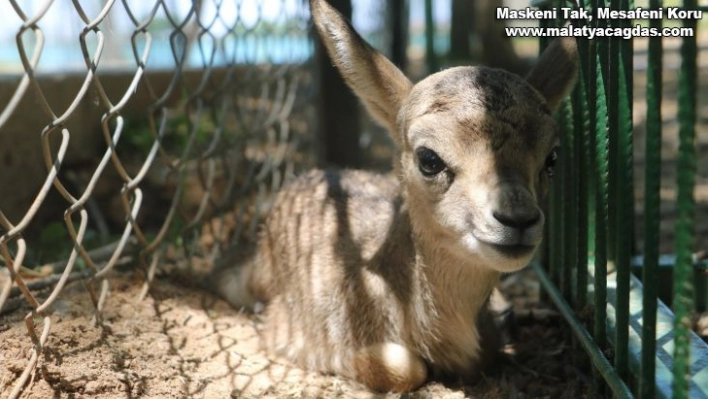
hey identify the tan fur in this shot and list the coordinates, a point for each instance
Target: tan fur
(384, 279)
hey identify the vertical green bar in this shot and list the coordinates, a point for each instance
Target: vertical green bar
(555, 199)
(597, 155)
(558, 205)
(581, 123)
(574, 128)
(601, 188)
(652, 216)
(589, 77)
(610, 59)
(686, 164)
(550, 245)
(568, 202)
(622, 192)
(601, 185)
(556, 228)
(597, 196)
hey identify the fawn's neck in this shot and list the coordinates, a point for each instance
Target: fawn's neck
(457, 279)
(453, 289)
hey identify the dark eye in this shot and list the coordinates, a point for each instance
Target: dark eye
(429, 162)
(551, 162)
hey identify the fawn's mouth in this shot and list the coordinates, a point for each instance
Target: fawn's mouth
(514, 250)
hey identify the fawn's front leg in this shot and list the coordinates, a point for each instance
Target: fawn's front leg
(389, 367)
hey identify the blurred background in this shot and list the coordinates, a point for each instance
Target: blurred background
(460, 29)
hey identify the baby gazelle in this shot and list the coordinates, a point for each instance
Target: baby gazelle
(385, 279)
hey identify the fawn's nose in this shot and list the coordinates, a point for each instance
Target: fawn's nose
(518, 218)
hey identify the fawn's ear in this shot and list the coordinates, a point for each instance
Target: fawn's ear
(555, 72)
(379, 84)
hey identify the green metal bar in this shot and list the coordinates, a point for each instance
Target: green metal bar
(597, 357)
(589, 61)
(602, 136)
(581, 125)
(686, 164)
(571, 198)
(601, 190)
(566, 200)
(610, 60)
(556, 201)
(597, 110)
(550, 232)
(556, 228)
(622, 193)
(701, 279)
(586, 191)
(613, 89)
(652, 216)
(594, 86)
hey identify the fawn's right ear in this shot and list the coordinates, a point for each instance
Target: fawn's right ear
(379, 84)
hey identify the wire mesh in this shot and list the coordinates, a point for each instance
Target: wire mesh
(198, 110)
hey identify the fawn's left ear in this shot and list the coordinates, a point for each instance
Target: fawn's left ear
(376, 81)
(556, 70)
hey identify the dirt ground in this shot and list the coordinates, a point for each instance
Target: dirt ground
(181, 342)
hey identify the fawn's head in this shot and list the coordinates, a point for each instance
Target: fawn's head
(477, 145)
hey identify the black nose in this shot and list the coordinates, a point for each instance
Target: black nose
(518, 219)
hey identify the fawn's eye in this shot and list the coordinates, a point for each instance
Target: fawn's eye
(551, 162)
(429, 162)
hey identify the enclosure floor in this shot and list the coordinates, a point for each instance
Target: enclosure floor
(184, 343)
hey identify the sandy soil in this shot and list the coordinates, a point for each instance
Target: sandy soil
(181, 342)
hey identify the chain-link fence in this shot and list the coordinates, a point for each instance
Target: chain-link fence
(126, 125)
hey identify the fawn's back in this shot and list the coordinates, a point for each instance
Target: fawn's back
(385, 279)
